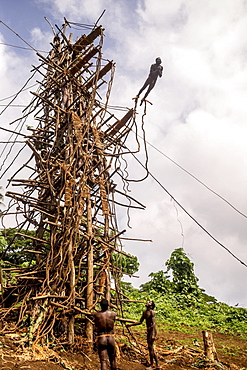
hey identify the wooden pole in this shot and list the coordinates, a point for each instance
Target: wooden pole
(108, 285)
(1, 283)
(89, 295)
(71, 331)
(209, 347)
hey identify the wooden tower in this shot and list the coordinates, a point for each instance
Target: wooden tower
(69, 198)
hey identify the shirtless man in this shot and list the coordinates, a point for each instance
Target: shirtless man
(104, 322)
(149, 316)
(155, 71)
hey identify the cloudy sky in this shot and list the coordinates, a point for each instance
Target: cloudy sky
(196, 127)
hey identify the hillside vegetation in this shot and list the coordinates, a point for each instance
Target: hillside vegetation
(181, 303)
(182, 310)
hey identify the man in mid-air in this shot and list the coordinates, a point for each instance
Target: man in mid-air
(155, 71)
(149, 316)
(104, 322)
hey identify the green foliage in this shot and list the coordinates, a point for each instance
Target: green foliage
(207, 298)
(173, 311)
(159, 282)
(128, 265)
(184, 283)
(3, 243)
(16, 246)
(129, 290)
(16, 253)
(184, 279)
(181, 304)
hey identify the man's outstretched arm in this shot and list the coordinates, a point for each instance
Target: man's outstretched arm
(160, 68)
(137, 322)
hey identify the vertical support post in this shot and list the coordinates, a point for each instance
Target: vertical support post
(1, 282)
(71, 330)
(108, 286)
(89, 297)
(209, 347)
(107, 270)
(106, 211)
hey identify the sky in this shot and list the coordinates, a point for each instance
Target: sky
(196, 127)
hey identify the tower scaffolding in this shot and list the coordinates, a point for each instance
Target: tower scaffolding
(69, 197)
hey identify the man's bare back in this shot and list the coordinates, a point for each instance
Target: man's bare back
(104, 322)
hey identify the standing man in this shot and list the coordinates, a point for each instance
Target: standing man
(149, 316)
(104, 322)
(155, 71)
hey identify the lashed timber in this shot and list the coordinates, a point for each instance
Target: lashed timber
(69, 199)
(86, 40)
(81, 60)
(121, 123)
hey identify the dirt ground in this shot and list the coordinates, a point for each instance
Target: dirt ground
(176, 351)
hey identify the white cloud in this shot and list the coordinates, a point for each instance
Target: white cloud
(40, 39)
(77, 11)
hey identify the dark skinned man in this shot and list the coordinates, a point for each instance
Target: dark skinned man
(104, 322)
(155, 71)
(149, 316)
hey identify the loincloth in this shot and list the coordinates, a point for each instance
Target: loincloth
(105, 335)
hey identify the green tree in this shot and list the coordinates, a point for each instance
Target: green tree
(17, 252)
(126, 264)
(159, 282)
(184, 279)
(129, 290)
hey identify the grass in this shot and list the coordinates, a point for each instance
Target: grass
(216, 317)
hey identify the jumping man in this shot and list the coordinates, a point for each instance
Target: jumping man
(155, 71)
(149, 316)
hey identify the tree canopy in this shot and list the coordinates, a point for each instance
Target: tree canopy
(184, 279)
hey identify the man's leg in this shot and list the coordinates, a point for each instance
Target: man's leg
(103, 359)
(151, 86)
(113, 364)
(112, 353)
(156, 358)
(102, 351)
(146, 83)
(152, 354)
